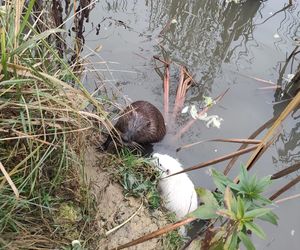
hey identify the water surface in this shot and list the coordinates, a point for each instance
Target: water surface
(221, 44)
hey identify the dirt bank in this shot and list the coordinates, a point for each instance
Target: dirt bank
(113, 208)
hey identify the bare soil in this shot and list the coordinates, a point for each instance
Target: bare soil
(113, 208)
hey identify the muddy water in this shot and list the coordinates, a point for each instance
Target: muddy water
(221, 45)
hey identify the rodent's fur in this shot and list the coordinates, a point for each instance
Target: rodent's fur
(141, 123)
(178, 192)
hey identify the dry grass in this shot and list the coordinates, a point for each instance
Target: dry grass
(44, 202)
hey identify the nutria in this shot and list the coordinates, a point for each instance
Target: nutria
(141, 123)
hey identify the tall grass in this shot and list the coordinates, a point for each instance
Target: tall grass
(43, 124)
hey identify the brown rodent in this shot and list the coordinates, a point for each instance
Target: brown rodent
(140, 123)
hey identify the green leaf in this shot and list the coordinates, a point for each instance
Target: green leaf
(234, 186)
(263, 183)
(220, 180)
(208, 101)
(28, 12)
(246, 241)
(228, 198)
(35, 39)
(207, 197)
(204, 212)
(232, 244)
(264, 200)
(256, 213)
(243, 176)
(3, 53)
(270, 217)
(255, 229)
(226, 213)
(240, 208)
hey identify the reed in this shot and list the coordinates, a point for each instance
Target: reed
(44, 122)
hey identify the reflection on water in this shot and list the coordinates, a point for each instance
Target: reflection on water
(220, 44)
(205, 33)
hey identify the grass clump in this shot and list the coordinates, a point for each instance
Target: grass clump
(137, 176)
(43, 125)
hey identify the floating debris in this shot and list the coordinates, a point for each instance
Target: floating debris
(185, 110)
(194, 112)
(209, 101)
(174, 21)
(211, 121)
(276, 36)
(235, 1)
(289, 77)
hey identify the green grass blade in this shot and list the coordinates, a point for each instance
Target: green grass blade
(34, 40)
(246, 241)
(3, 53)
(25, 19)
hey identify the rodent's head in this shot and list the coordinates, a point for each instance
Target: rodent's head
(167, 164)
(135, 128)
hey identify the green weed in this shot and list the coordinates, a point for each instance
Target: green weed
(237, 206)
(137, 176)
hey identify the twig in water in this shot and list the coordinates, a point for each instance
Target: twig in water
(285, 188)
(166, 86)
(270, 87)
(183, 85)
(270, 133)
(252, 136)
(167, 26)
(286, 171)
(216, 160)
(287, 198)
(284, 8)
(246, 141)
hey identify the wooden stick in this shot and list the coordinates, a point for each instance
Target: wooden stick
(252, 136)
(166, 90)
(156, 233)
(286, 171)
(287, 198)
(178, 93)
(166, 86)
(289, 108)
(285, 188)
(216, 160)
(233, 140)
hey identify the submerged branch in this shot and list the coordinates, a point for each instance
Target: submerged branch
(166, 85)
